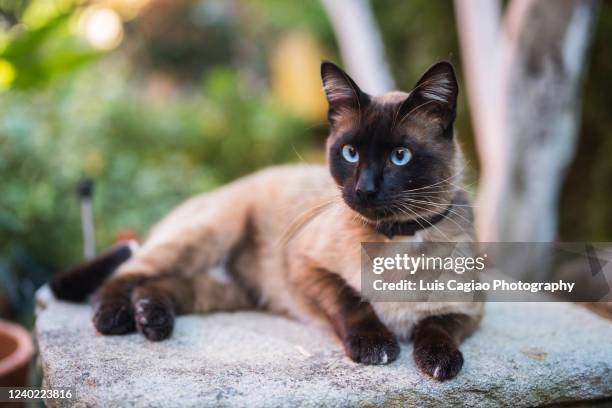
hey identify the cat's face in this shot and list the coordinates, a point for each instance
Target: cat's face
(393, 156)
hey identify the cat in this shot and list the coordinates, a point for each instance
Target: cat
(287, 239)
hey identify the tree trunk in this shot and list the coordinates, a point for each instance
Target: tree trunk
(360, 44)
(525, 111)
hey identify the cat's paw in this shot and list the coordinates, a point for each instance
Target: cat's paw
(154, 319)
(372, 347)
(116, 317)
(441, 360)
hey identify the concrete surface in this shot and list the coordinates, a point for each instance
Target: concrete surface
(525, 354)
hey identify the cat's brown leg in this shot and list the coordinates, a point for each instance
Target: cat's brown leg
(436, 344)
(113, 311)
(157, 301)
(150, 303)
(364, 337)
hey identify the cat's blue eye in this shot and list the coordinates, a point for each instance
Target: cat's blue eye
(350, 153)
(400, 156)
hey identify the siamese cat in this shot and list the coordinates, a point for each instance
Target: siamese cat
(287, 239)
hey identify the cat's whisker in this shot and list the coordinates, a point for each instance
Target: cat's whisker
(440, 232)
(446, 180)
(438, 189)
(447, 217)
(438, 205)
(429, 199)
(443, 184)
(416, 219)
(297, 154)
(304, 218)
(450, 210)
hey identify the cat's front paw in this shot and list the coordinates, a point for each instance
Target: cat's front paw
(154, 319)
(114, 317)
(372, 347)
(441, 360)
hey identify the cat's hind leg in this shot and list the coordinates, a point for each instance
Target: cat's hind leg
(112, 305)
(157, 301)
(150, 303)
(173, 264)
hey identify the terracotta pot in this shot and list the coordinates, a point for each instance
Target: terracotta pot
(16, 352)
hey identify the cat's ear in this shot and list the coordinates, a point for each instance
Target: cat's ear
(436, 94)
(342, 93)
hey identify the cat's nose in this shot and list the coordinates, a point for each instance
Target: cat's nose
(367, 194)
(366, 187)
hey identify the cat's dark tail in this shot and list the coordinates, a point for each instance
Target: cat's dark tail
(80, 281)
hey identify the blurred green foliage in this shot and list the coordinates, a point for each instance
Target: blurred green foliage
(39, 55)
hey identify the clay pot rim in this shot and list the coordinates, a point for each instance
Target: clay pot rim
(24, 351)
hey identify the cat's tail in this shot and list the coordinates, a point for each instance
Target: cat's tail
(80, 281)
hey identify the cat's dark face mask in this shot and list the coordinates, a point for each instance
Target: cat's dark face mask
(393, 156)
